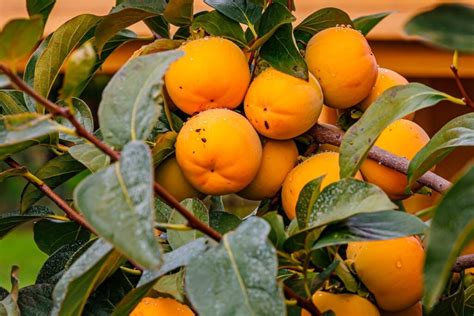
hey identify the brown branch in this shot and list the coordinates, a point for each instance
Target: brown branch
(465, 95)
(324, 135)
(463, 262)
(306, 304)
(43, 187)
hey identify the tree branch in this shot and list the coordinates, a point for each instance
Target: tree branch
(463, 262)
(306, 304)
(324, 135)
(465, 95)
(43, 187)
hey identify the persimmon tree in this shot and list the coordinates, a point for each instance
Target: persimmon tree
(124, 236)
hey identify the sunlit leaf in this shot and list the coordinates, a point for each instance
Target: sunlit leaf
(366, 23)
(18, 37)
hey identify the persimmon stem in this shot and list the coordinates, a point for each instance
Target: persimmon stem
(324, 135)
(303, 303)
(43, 187)
(465, 95)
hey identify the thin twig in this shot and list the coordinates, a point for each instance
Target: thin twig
(465, 95)
(306, 304)
(463, 262)
(324, 135)
(43, 187)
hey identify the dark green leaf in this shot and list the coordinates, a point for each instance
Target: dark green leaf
(306, 201)
(452, 304)
(18, 37)
(171, 285)
(451, 226)
(61, 44)
(172, 260)
(457, 132)
(54, 173)
(90, 156)
(9, 221)
(371, 226)
(118, 202)
(51, 235)
(217, 24)
(393, 104)
(366, 23)
(85, 274)
(177, 238)
(159, 26)
(20, 131)
(182, 33)
(55, 265)
(162, 211)
(447, 26)
(179, 12)
(12, 102)
(281, 53)
(41, 7)
(277, 228)
(36, 300)
(243, 266)
(83, 115)
(123, 15)
(131, 114)
(242, 11)
(223, 222)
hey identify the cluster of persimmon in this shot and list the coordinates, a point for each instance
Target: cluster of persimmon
(239, 139)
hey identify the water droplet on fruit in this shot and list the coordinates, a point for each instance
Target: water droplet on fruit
(399, 264)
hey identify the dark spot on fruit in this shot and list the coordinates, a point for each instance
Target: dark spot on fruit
(198, 130)
(266, 125)
(212, 170)
(212, 100)
(194, 152)
(181, 87)
(203, 140)
(264, 109)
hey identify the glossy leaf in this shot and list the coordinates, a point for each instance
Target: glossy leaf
(306, 200)
(20, 131)
(172, 260)
(281, 53)
(223, 222)
(41, 7)
(83, 276)
(242, 11)
(118, 202)
(393, 104)
(159, 26)
(10, 220)
(83, 115)
(447, 26)
(456, 133)
(451, 227)
(90, 156)
(371, 226)
(179, 12)
(62, 42)
(131, 115)
(243, 266)
(12, 102)
(177, 238)
(366, 23)
(277, 233)
(54, 173)
(51, 235)
(123, 15)
(217, 24)
(18, 37)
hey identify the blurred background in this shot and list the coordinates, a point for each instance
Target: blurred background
(392, 48)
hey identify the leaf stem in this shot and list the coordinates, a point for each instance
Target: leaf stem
(305, 275)
(166, 226)
(324, 135)
(306, 304)
(465, 95)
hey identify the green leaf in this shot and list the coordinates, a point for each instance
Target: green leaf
(162, 211)
(55, 265)
(159, 26)
(78, 69)
(20, 131)
(12, 102)
(281, 53)
(242, 11)
(371, 226)
(164, 147)
(393, 104)
(217, 24)
(275, 15)
(172, 260)
(41, 7)
(242, 267)
(83, 115)
(132, 113)
(90, 156)
(51, 235)
(171, 285)
(159, 45)
(447, 26)
(277, 229)
(306, 200)
(176, 238)
(62, 42)
(54, 173)
(18, 37)
(13, 172)
(35, 299)
(223, 222)
(179, 12)
(11, 220)
(118, 202)
(457, 132)
(451, 227)
(451, 304)
(85, 274)
(123, 15)
(366, 23)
